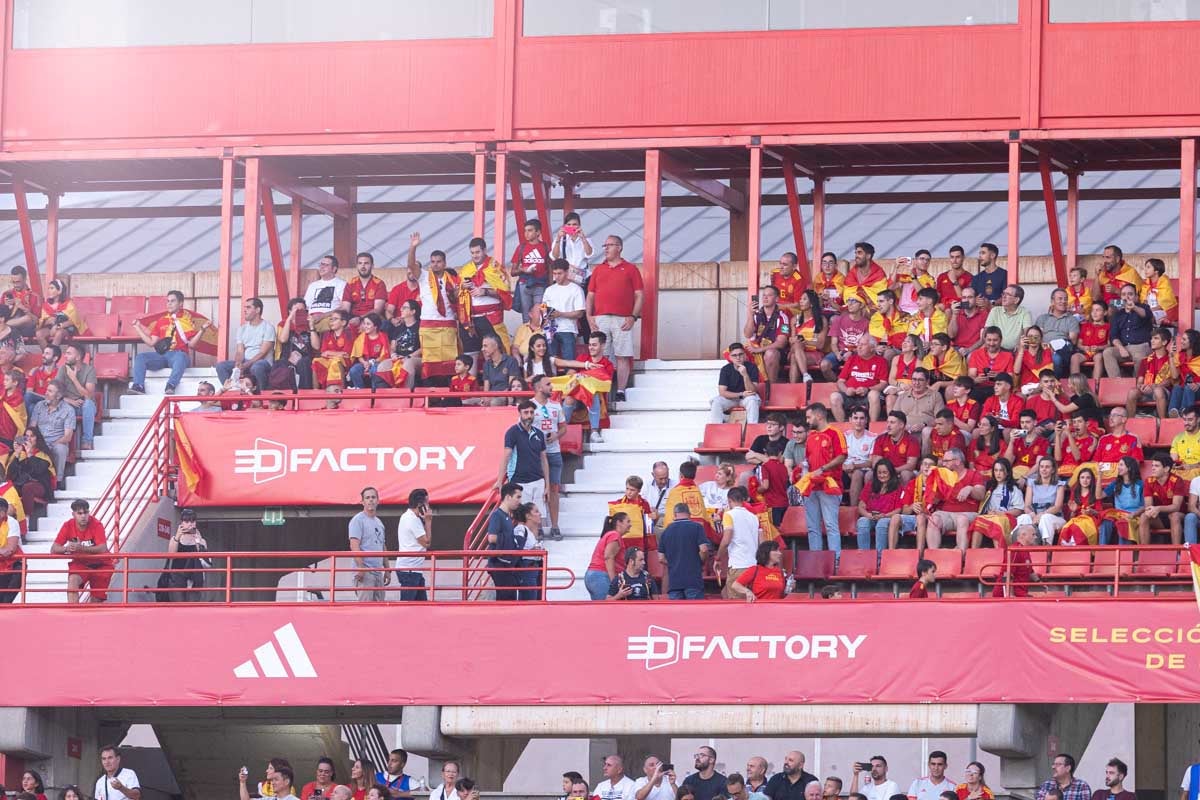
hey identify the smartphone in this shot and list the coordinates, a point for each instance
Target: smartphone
(865, 766)
(570, 230)
(668, 767)
(754, 300)
(301, 317)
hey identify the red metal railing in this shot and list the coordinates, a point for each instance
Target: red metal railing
(475, 577)
(230, 576)
(1108, 567)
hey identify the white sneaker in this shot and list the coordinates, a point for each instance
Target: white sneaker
(596, 437)
(807, 378)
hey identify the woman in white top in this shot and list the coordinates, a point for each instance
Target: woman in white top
(528, 528)
(716, 492)
(538, 361)
(1044, 499)
(572, 244)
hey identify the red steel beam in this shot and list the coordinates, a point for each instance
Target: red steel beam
(320, 199)
(225, 262)
(754, 223)
(251, 224)
(498, 211)
(1056, 245)
(651, 230)
(281, 286)
(539, 201)
(295, 256)
(1187, 232)
(1072, 219)
(710, 189)
(479, 203)
(52, 201)
(27, 241)
(518, 204)
(793, 200)
(1014, 211)
(818, 195)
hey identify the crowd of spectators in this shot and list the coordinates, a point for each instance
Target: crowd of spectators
(365, 782)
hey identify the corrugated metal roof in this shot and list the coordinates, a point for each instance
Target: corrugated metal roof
(688, 234)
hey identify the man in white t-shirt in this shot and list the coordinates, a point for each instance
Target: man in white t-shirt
(616, 784)
(325, 293)
(876, 785)
(413, 536)
(933, 784)
(739, 541)
(116, 783)
(658, 784)
(565, 305)
(860, 442)
(548, 417)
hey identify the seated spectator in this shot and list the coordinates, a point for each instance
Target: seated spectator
(903, 366)
(1047, 404)
(1155, 375)
(1185, 447)
(1027, 445)
(538, 360)
(1045, 499)
(898, 446)
(929, 320)
(828, 283)
(325, 783)
(1079, 294)
(862, 380)
(967, 321)
(40, 376)
(1183, 392)
(394, 779)
(463, 381)
(55, 420)
(944, 435)
(1127, 493)
(943, 363)
(588, 385)
(988, 361)
(1157, 293)
(1083, 511)
(31, 471)
(325, 295)
(172, 337)
(1094, 335)
(1165, 493)
(1004, 404)
(682, 549)
(60, 321)
(909, 277)
(77, 384)
(776, 428)
(1010, 317)
(365, 293)
(926, 577)
(332, 349)
(809, 333)
(1131, 325)
(633, 582)
(912, 503)
(736, 385)
(763, 581)
(951, 502)
(534, 325)
(887, 325)
(1115, 445)
(1002, 502)
(1060, 331)
(239, 395)
(565, 308)
(404, 331)
(83, 538)
(25, 306)
(716, 491)
(767, 331)
(965, 409)
(919, 404)
(860, 444)
(845, 331)
(1032, 357)
(370, 357)
(1074, 445)
(878, 505)
(608, 556)
(988, 444)
(10, 556)
(294, 347)
(1018, 574)
(255, 353)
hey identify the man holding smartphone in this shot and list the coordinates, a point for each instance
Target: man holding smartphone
(413, 535)
(1131, 325)
(875, 784)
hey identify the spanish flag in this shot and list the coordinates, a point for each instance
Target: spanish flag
(189, 322)
(583, 386)
(190, 469)
(1194, 552)
(868, 288)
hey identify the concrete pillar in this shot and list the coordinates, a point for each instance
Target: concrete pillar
(1182, 726)
(739, 225)
(1150, 754)
(41, 736)
(345, 230)
(485, 759)
(1026, 737)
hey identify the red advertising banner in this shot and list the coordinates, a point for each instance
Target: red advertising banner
(326, 457)
(658, 652)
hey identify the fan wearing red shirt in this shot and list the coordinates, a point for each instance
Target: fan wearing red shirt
(953, 282)
(864, 374)
(530, 265)
(1165, 493)
(1005, 406)
(1155, 375)
(950, 506)
(41, 375)
(83, 538)
(26, 306)
(1046, 404)
(926, 575)
(987, 362)
(1115, 445)
(1073, 445)
(365, 292)
(614, 304)
(898, 446)
(1026, 447)
(790, 282)
(966, 410)
(967, 320)
(1019, 573)
(765, 580)
(10, 553)
(944, 435)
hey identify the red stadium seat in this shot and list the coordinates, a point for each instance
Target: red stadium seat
(787, 397)
(101, 328)
(848, 521)
(1114, 391)
(128, 308)
(752, 433)
(877, 428)
(949, 562)
(1168, 429)
(983, 562)
(1144, 428)
(1108, 563)
(820, 393)
(29, 361)
(572, 441)
(897, 565)
(857, 564)
(721, 438)
(89, 306)
(156, 304)
(794, 522)
(816, 566)
(1070, 562)
(111, 366)
(1157, 564)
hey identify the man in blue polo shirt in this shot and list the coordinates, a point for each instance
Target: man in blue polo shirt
(525, 459)
(683, 546)
(501, 536)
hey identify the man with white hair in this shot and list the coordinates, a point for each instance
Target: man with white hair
(616, 784)
(658, 784)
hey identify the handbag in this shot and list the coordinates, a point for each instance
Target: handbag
(163, 346)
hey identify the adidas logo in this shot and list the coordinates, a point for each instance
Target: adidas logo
(269, 662)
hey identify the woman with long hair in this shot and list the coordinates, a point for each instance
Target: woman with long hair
(404, 330)
(608, 557)
(1084, 507)
(765, 580)
(987, 444)
(537, 360)
(371, 354)
(362, 778)
(1001, 504)
(974, 787)
(1081, 400)
(1044, 498)
(527, 531)
(716, 491)
(60, 321)
(71, 793)
(809, 332)
(1128, 498)
(901, 372)
(878, 503)
(31, 783)
(1033, 356)
(1183, 393)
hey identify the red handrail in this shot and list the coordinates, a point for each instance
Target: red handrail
(141, 479)
(475, 541)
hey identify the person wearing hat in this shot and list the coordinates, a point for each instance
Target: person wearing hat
(186, 576)
(844, 332)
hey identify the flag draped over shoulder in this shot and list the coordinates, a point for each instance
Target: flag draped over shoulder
(190, 322)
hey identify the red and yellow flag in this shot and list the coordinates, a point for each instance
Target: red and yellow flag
(190, 468)
(189, 322)
(1194, 552)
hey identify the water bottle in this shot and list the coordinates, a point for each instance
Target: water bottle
(791, 584)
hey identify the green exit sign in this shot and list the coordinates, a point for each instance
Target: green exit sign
(272, 516)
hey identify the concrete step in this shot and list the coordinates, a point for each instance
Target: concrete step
(698, 380)
(653, 365)
(660, 420)
(654, 400)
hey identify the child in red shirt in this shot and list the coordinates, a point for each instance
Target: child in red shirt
(926, 576)
(774, 481)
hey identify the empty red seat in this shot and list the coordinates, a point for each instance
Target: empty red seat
(1158, 564)
(88, 306)
(814, 566)
(1107, 563)
(848, 521)
(1114, 391)
(1070, 562)
(111, 366)
(1144, 428)
(949, 562)
(156, 304)
(794, 522)
(857, 564)
(128, 308)
(102, 327)
(983, 563)
(898, 565)
(572, 440)
(720, 438)
(787, 397)
(820, 393)
(1168, 429)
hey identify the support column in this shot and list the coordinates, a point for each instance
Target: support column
(797, 217)
(1072, 219)
(28, 243)
(818, 219)
(540, 206)
(295, 256)
(498, 210)
(486, 759)
(568, 204)
(632, 750)
(251, 224)
(480, 203)
(345, 231)
(276, 247)
(1056, 247)
(52, 201)
(225, 259)
(518, 203)
(754, 215)
(1014, 211)
(739, 224)
(1187, 233)
(1150, 755)
(1024, 736)
(651, 230)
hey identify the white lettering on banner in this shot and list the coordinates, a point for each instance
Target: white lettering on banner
(269, 460)
(662, 647)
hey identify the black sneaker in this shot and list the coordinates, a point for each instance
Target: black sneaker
(620, 396)
(137, 388)
(169, 390)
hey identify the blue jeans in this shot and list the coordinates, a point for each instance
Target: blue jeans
(821, 508)
(357, 376)
(685, 594)
(507, 582)
(415, 579)
(563, 345)
(177, 360)
(530, 296)
(1062, 360)
(259, 370)
(1108, 532)
(531, 584)
(1181, 397)
(597, 583)
(881, 533)
(1190, 522)
(593, 411)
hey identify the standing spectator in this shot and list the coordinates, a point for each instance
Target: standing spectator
(633, 582)
(1062, 778)
(530, 262)
(756, 775)
(764, 581)
(32, 784)
(767, 330)
(497, 368)
(255, 354)
(413, 535)
(76, 382)
(789, 783)
(326, 294)
(367, 536)
(822, 486)
(658, 783)
(655, 492)
(967, 321)
(616, 784)
(865, 278)
(608, 557)
(682, 548)
(974, 786)
(989, 281)
(614, 304)
(1131, 325)
(331, 350)
(40, 376)
(863, 379)
(1114, 775)
(876, 785)
(1060, 330)
(483, 295)
(117, 783)
(774, 482)
(551, 421)
(187, 571)
(928, 787)
(1094, 336)
(739, 538)
(706, 783)
(449, 778)
(55, 420)
(845, 331)
(397, 783)
(1010, 317)
(954, 282)
(83, 538)
(528, 522)
(1157, 293)
(436, 289)
(325, 781)
(566, 305)
(365, 293)
(175, 333)
(24, 306)
(573, 245)
(294, 344)
(736, 385)
(524, 458)
(501, 536)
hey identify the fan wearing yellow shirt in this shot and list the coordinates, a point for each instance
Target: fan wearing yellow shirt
(1185, 447)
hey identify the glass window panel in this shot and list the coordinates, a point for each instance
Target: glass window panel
(1124, 10)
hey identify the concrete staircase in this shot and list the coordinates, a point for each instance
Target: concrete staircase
(94, 470)
(662, 420)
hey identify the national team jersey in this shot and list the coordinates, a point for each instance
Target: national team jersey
(1027, 450)
(464, 383)
(1164, 493)
(824, 446)
(1093, 334)
(362, 297)
(1087, 449)
(965, 411)
(945, 286)
(790, 287)
(983, 362)
(1045, 409)
(896, 452)
(1033, 363)
(1185, 448)
(939, 444)
(1111, 448)
(768, 328)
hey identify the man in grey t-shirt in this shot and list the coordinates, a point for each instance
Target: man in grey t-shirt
(367, 536)
(1060, 330)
